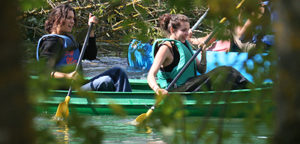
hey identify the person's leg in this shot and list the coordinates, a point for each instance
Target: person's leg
(227, 78)
(102, 83)
(198, 83)
(119, 78)
(220, 78)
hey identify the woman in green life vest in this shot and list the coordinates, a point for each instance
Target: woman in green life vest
(172, 53)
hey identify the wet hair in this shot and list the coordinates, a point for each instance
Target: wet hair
(166, 21)
(57, 16)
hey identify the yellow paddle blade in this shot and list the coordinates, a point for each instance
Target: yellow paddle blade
(63, 108)
(149, 112)
(141, 118)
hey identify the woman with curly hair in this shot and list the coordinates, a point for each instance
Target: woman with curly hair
(59, 49)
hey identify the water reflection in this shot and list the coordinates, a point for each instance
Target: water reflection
(117, 131)
(62, 132)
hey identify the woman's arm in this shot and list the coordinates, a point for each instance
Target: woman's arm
(161, 56)
(242, 30)
(196, 41)
(248, 27)
(92, 19)
(91, 50)
(71, 75)
(201, 65)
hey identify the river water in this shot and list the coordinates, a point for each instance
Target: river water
(95, 67)
(118, 131)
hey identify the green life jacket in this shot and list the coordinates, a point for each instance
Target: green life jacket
(165, 78)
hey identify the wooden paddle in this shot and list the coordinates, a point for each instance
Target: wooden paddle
(63, 107)
(144, 116)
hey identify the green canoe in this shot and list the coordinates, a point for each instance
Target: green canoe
(210, 103)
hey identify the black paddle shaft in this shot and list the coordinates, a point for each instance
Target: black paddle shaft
(191, 59)
(81, 54)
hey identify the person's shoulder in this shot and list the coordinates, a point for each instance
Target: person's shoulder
(51, 41)
(167, 44)
(55, 38)
(166, 47)
(51, 38)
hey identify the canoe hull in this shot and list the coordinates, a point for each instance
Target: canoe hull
(234, 103)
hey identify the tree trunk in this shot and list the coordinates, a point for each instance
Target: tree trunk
(288, 88)
(15, 120)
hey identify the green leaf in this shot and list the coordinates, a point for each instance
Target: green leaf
(31, 4)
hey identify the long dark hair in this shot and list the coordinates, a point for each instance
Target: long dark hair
(57, 15)
(166, 21)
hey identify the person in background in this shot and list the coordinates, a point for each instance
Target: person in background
(257, 30)
(59, 49)
(172, 53)
(213, 44)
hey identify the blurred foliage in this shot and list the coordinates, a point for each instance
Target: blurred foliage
(27, 5)
(123, 20)
(118, 110)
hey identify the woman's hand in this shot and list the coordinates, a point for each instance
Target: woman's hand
(73, 75)
(161, 91)
(92, 19)
(190, 33)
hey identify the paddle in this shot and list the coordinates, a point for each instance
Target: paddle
(63, 109)
(200, 20)
(143, 116)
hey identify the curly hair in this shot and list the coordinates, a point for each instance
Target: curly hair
(57, 16)
(166, 21)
